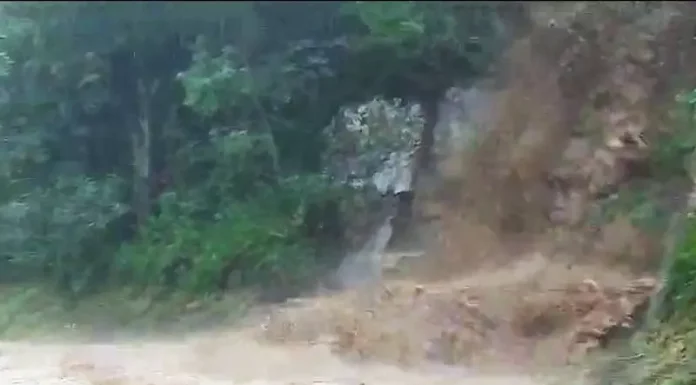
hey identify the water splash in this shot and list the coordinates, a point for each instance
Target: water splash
(365, 266)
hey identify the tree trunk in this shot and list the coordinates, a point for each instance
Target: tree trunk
(424, 154)
(423, 164)
(141, 140)
(141, 176)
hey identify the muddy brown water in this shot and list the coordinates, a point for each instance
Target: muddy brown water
(239, 356)
(231, 358)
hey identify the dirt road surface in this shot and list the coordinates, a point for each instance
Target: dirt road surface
(242, 355)
(538, 309)
(215, 359)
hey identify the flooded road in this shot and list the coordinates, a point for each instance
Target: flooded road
(232, 358)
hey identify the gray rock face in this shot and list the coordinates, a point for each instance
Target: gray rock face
(372, 147)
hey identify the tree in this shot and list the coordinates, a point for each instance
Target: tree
(222, 105)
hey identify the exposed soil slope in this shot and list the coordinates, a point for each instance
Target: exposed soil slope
(522, 279)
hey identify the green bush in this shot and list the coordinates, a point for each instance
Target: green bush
(665, 354)
(680, 290)
(256, 241)
(217, 106)
(673, 150)
(680, 285)
(59, 231)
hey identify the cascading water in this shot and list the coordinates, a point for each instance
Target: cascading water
(460, 115)
(365, 266)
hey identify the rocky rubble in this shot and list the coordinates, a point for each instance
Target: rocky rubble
(609, 314)
(521, 321)
(575, 122)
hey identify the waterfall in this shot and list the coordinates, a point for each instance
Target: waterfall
(462, 113)
(365, 266)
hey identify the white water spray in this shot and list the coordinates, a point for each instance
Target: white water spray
(365, 266)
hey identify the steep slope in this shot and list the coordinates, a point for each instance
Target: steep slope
(523, 279)
(573, 126)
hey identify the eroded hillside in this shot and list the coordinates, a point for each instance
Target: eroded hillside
(523, 275)
(581, 103)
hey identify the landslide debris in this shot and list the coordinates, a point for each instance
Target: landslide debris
(574, 124)
(528, 314)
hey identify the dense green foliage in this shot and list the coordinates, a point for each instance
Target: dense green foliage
(680, 292)
(664, 353)
(184, 144)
